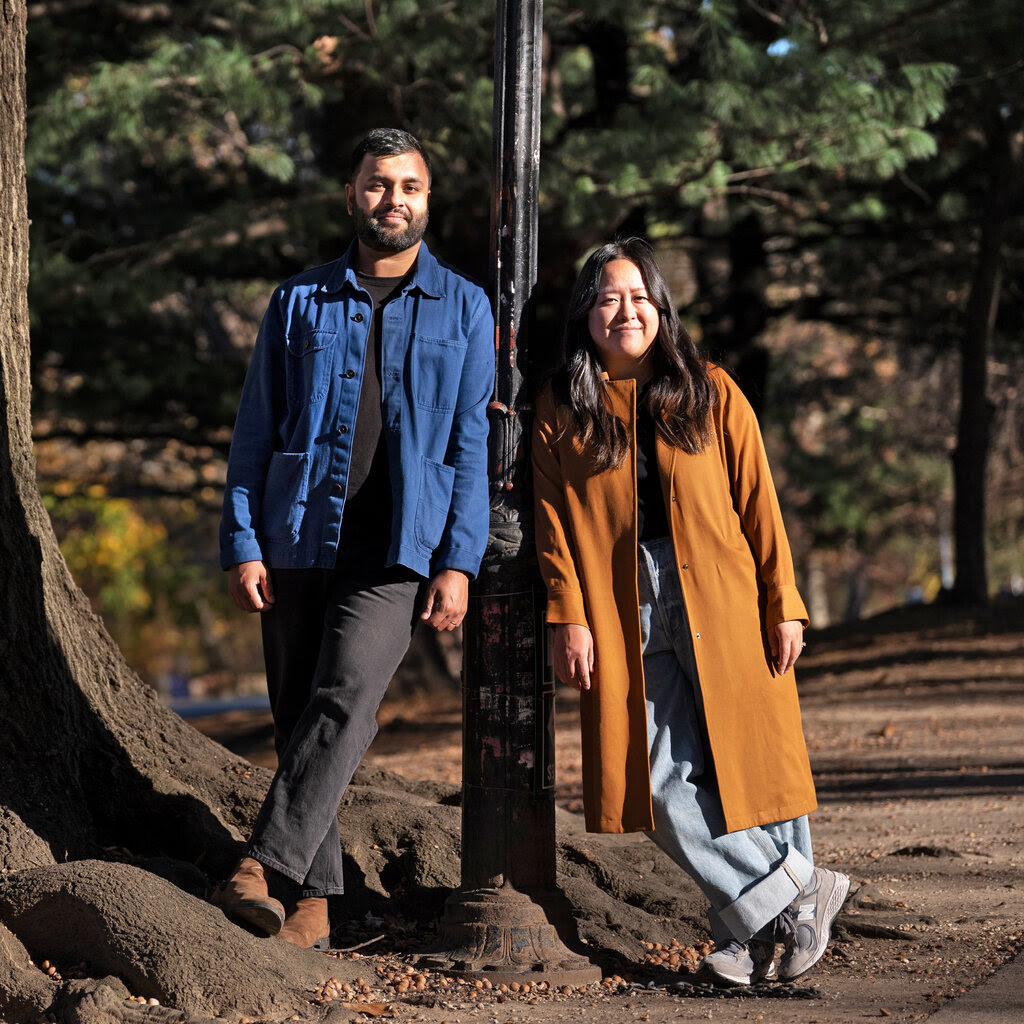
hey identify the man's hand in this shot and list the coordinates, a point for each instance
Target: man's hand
(574, 654)
(447, 600)
(249, 586)
(786, 640)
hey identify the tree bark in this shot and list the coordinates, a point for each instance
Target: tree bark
(89, 758)
(976, 409)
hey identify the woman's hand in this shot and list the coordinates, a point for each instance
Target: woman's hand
(574, 654)
(786, 640)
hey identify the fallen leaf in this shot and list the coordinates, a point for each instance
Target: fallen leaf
(371, 1009)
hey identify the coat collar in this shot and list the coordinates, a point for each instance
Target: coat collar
(426, 274)
(621, 396)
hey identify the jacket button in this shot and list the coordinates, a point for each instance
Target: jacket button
(686, 565)
(350, 374)
(343, 429)
(358, 318)
(698, 636)
(337, 489)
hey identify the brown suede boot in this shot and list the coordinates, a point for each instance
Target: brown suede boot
(244, 897)
(307, 925)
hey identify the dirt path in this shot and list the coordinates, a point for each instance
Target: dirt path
(915, 726)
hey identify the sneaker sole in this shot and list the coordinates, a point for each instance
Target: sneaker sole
(708, 972)
(835, 903)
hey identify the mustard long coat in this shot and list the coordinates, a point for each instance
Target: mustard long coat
(737, 579)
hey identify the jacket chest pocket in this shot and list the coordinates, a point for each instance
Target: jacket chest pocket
(310, 358)
(436, 369)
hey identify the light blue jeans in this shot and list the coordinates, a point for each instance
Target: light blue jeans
(748, 876)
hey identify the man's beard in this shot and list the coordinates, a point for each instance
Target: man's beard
(371, 232)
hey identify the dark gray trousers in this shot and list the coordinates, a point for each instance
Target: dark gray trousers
(331, 643)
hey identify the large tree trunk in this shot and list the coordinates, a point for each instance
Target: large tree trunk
(976, 410)
(88, 756)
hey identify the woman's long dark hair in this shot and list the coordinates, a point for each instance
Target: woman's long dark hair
(680, 395)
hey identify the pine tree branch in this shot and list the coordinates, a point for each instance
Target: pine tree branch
(783, 199)
(873, 35)
(764, 172)
(815, 22)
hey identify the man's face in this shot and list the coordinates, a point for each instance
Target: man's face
(388, 201)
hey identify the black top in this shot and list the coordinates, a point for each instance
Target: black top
(367, 518)
(651, 519)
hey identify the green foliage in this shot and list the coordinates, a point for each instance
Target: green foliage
(177, 158)
(182, 162)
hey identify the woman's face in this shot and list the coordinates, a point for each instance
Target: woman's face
(623, 321)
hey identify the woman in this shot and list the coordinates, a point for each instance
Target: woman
(672, 597)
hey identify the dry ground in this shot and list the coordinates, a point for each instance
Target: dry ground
(915, 724)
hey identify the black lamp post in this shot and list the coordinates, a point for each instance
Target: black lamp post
(503, 922)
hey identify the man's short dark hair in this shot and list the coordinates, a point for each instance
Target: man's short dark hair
(387, 142)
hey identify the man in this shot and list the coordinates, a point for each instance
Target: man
(356, 499)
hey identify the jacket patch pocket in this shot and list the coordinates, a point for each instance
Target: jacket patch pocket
(436, 486)
(436, 371)
(310, 357)
(284, 496)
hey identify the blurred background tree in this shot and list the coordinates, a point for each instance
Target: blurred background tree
(834, 190)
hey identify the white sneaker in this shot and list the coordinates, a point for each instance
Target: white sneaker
(806, 924)
(740, 963)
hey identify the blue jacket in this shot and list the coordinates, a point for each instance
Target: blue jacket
(288, 467)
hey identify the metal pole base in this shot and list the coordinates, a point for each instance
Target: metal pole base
(504, 936)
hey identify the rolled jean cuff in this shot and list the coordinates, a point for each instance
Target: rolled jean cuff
(290, 874)
(766, 899)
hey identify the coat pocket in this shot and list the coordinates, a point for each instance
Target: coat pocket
(436, 368)
(284, 495)
(310, 358)
(436, 484)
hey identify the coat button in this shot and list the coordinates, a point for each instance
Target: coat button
(337, 489)
(698, 636)
(686, 565)
(358, 318)
(350, 374)
(343, 429)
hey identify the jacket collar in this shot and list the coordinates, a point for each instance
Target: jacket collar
(426, 273)
(625, 387)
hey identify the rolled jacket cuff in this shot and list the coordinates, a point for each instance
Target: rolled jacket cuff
(566, 606)
(241, 551)
(785, 605)
(460, 559)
